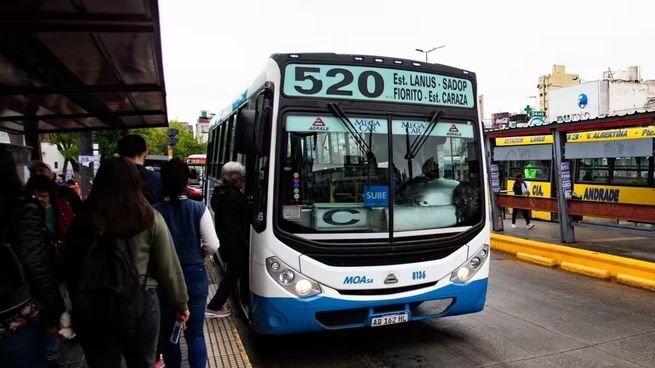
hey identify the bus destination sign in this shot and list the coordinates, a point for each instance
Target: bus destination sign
(377, 84)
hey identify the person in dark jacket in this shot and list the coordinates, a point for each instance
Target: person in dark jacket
(230, 216)
(58, 218)
(521, 188)
(134, 148)
(58, 212)
(195, 239)
(25, 322)
(63, 191)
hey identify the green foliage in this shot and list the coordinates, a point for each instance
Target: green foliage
(188, 144)
(107, 140)
(68, 144)
(157, 141)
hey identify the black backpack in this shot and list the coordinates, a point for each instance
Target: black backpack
(109, 293)
(14, 287)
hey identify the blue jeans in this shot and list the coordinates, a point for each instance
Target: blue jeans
(25, 348)
(197, 288)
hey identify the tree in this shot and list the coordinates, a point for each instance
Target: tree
(107, 140)
(68, 144)
(157, 140)
(188, 144)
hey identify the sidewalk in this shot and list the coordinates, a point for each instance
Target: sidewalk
(635, 244)
(224, 346)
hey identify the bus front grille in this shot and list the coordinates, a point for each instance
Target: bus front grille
(386, 291)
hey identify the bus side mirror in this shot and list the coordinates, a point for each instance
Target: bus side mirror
(244, 140)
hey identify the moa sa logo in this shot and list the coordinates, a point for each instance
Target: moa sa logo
(357, 280)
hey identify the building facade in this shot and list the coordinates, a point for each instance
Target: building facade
(557, 79)
(618, 93)
(202, 126)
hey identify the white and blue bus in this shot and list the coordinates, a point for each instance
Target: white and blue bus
(366, 186)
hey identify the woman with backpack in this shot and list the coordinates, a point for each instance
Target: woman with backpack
(195, 239)
(30, 303)
(119, 252)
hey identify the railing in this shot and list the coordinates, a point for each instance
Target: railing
(620, 211)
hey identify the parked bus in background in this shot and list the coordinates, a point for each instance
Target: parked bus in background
(366, 178)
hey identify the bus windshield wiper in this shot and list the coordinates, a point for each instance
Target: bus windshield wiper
(339, 114)
(419, 141)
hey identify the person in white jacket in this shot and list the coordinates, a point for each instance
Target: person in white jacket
(195, 239)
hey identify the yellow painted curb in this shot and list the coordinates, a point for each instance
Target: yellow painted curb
(544, 261)
(586, 270)
(634, 272)
(242, 349)
(636, 281)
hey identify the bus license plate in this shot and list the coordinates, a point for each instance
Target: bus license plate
(389, 319)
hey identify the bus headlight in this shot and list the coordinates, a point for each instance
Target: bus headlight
(303, 287)
(466, 271)
(291, 280)
(286, 276)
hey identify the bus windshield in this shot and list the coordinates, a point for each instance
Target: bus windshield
(334, 179)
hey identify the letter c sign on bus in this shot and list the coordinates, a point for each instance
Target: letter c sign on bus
(329, 217)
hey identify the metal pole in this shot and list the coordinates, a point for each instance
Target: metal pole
(86, 172)
(496, 214)
(565, 225)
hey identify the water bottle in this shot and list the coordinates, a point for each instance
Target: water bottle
(177, 331)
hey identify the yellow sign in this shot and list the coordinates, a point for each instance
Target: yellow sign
(616, 194)
(612, 134)
(537, 189)
(530, 139)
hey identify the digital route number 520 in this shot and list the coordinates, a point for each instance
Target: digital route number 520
(344, 79)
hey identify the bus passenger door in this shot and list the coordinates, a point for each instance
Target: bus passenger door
(256, 189)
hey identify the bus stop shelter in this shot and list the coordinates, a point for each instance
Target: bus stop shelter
(568, 144)
(79, 66)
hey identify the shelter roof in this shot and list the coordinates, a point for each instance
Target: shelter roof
(68, 65)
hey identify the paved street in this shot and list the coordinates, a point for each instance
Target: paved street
(535, 317)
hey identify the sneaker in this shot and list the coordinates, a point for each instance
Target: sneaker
(221, 313)
(513, 226)
(530, 226)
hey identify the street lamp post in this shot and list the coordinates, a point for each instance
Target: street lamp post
(429, 51)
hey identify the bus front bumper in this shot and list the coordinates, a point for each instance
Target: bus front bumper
(273, 316)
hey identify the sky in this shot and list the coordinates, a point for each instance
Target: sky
(213, 49)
